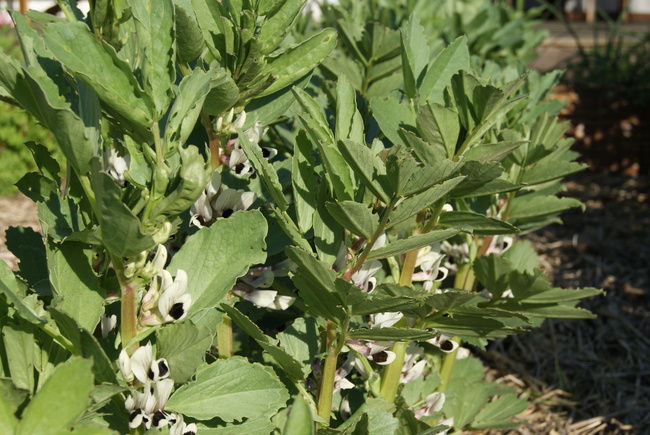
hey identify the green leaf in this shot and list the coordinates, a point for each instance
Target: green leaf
(525, 208)
(411, 243)
(346, 108)
(36, 187)
(355, 217)
(215, 257)
(301, 340)
(392, 334)
(383, 304)
(415, 54)
(368, 167)
(39, 95)
(550, 169)
(278, 23)
(231, 389)
(450, 299)
(447, 63)
(184, 346)
(303, 182)
(439, 126)
(268, 109)
(120, 229)
(189, 37)
(523, 257)
(9, 286)
(469, 396)
(154, 23)
(428, 153)
(336, 167)
(86, 345)
(287, 362)
(47, 165)
(300, 421)
(61, 400)
(19, 349)
(223, 94)
(298, 60)
(475, 223)
(75, 286)
(391, 115)
(316, 283)
(27, 245)
(557, 295)
(484, 153)
(285, 222)
(492, 271)
(98, 66)
(9, 422)
(415, 204)
(497, 412)
(185, 110)
(264, 168)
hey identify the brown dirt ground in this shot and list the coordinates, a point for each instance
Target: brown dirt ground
(583, 377)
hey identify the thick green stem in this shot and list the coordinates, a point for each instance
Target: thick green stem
(393, 372)
(224, 338)
(328, 375)
(128, 315)
(448, 362)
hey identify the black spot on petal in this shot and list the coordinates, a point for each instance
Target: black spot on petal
(440, 275)
(163, 369)
(151, 375)
(134, 415)
(189, 432)
(239, 169)
(371, 286)
(266, 153)
(447, 346)
(380, 357)
(159, 418)
(176, 311)
(227, 213)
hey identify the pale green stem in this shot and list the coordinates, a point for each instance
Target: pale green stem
(64, 342)
(393, 372)
(224, 338)
(448, 362)
(128, 315)
(328, 375)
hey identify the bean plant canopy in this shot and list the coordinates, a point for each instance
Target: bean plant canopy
(272, 222)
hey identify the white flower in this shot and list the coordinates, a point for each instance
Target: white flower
(117, 165)
(157, 263)
(147, 408)
(375, 351)
(107, 324)
(499, 244)
(174, 301)
(444, 343)
(231, 200)
(363, 278)
(385, 320)
(412, 368)
(180, 428)
(239, 163)
(429, 261)
(143, 366)
(267, 299)
(201, 210)
(433, 403)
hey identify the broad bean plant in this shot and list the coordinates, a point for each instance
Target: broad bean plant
(269, 224)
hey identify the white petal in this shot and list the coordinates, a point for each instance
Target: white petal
(246, 200)
(414, 372)
(163, 391)
(125, 366)
(227, 200)
(237, 157)
(345, 384)
(282, 302)
(261, 298)
(385, 320)
(141, 362)
(435, 401)
(129, 404)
